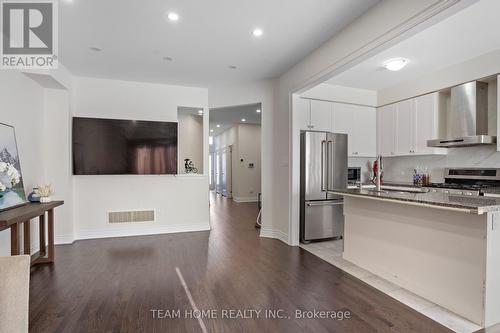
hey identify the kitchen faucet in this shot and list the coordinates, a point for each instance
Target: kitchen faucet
(379, 171)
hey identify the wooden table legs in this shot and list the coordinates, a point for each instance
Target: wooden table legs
(27, 238)
(41, 233)
(51, 235)
(14, 239)
(46, 254)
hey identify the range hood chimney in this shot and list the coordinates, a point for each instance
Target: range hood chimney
(467, 118)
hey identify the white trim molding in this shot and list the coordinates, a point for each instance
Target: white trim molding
(245, 199)
(64, 239)
(111, 232)
(276, 234)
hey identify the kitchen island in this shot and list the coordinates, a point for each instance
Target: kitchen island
(445, 248)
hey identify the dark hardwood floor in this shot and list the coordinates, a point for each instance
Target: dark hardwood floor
(111, 285)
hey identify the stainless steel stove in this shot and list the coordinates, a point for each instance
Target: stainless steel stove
(467, 181)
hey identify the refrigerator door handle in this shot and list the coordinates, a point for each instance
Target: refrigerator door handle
(324, 176)
(325, 203)
(329, 153)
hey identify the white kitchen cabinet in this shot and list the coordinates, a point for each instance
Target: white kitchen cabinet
(427, 124)
(413, 122)
(321, 115)
(386, 130)
(302, 112)
(359, 123)
(405, 133)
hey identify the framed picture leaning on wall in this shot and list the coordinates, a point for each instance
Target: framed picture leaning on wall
(11, 181)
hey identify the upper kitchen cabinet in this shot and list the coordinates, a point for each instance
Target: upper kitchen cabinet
(321, 115)
(302, 113)
(386, 130)
(359, 123)
(427, 124)
(404, 127)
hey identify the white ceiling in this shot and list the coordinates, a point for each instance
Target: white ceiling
(469, 33)
(210, 36)
(229, 116)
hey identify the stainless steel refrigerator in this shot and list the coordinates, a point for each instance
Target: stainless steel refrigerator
(323, 166)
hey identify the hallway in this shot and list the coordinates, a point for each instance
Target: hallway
(121, 284)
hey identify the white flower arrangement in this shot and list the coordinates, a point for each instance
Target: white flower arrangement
(9, 176)
(44, 191)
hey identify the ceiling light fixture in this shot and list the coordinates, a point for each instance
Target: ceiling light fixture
(200, 112)
(173, 16)
(258, 111)
(396, 64)
(243, 119)
(211, 131)
(218, 125)
(257, 32)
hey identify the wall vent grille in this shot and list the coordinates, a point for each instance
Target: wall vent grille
(131, 216)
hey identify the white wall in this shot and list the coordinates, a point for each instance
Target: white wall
(181, 202)
(22, 106)
(190, 141)
(245, 140)
(334, 93)
(248, 180)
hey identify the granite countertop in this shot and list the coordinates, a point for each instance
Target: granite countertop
(469, 204)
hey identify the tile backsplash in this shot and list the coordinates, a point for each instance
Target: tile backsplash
(400, 169)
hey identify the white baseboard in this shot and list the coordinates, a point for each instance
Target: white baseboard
(276, 234)
(245, 199)
(150, 230)
(64, 239)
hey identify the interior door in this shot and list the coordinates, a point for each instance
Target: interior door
(229, 172)
(218, 172)
(223, 176)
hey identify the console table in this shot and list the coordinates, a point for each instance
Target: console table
(15, 217)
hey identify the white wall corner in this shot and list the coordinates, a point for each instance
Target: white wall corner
(275, 234)
(64, 239)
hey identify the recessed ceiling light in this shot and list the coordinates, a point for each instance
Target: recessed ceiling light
(211, 131)
(243, 119)
(257, 32)
(172, 16)
(95, 48)
(218, 125)
(396, 64)
(200, 112)
(258, 111)
(168, 58)
(232, 67)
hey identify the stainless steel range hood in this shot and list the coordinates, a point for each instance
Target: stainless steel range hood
(467, 118)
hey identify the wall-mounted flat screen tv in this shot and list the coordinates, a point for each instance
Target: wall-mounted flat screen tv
(115, 147)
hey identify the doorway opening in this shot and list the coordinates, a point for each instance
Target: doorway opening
(235, 154)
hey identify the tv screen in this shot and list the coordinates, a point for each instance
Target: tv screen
(113, 147)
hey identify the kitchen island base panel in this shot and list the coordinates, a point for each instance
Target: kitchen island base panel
(439, 255)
